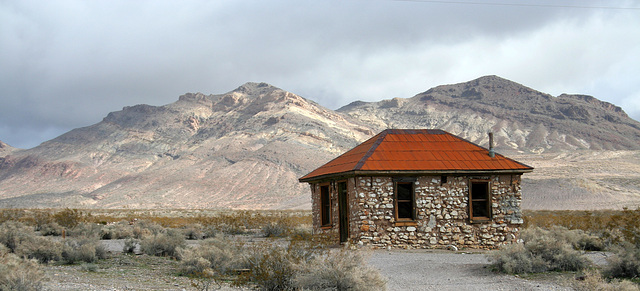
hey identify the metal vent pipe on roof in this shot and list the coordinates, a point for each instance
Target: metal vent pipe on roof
(492, 153)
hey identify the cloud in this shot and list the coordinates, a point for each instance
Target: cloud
(67, 64)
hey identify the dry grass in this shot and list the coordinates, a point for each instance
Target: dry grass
(614, 226)
(592, 280)
(228, 221)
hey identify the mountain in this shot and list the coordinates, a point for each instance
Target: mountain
(5, 148)
(522, 119)
(242, 149)
(246, 148)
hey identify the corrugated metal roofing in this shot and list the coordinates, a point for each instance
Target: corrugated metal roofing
(416, 150)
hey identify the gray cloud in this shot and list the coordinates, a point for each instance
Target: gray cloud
(67, 64)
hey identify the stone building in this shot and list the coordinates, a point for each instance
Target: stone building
(411, 188)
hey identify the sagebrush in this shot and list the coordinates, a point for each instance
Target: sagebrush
(541, 251)
(163, 244)
(17, 273)
(592, 280)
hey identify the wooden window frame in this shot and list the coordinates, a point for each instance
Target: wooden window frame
(404, 181)
(487, 200)
(325, 206)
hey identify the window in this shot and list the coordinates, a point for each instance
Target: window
(443, 180)
(404, 201)
(325, 206)
(480, 200)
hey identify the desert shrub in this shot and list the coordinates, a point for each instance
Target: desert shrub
(83, 249)
(144, 228)
(274, 230)
(283, 226)
(193, 232)
(85, 229)
(121, 230)
(627, 224)
(590, 242)
(241, 222)
(51, 228)
(273, 267)
(163, 244)
(195, 266)
(41, 218)
(612, 226)
(130, 245)
(579, 239)
(17, 273)
(42, 249)
(22, 240)
(9, 215)
(306, 234)
(223, 257)
(107, 233)
(12, 233)
(210, 232)
(69, 218)
(233, 228)
(235, 222)
(625, 262)
(139, 232)
(541, 251)
(342, 270)
(516, 259)
(592, 280)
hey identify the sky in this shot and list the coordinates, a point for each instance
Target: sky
(67, 64)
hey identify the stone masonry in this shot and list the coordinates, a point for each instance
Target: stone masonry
(442, 213)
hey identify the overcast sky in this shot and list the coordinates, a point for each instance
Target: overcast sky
(67, 64)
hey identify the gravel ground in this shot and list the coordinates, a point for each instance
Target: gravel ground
(440, 270)
(404, 270)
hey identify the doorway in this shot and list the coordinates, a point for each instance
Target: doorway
(343, 216)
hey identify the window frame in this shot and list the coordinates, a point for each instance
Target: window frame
(473, 218)
(412, 201)
(325, 205)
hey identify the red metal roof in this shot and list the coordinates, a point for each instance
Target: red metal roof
(415, 150)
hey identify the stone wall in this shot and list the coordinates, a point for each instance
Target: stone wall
(441, 208)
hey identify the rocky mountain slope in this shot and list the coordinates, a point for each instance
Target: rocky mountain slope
(242, 149)
(521, 118)
(5, 149)
(246, 148)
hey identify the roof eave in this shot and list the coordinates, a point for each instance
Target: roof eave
(405, 173)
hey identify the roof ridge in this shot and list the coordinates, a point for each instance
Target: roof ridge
(371, 150)
(416, 151)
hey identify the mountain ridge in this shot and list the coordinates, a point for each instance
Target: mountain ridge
(523, 119)
(200, 144)
(247, 147)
